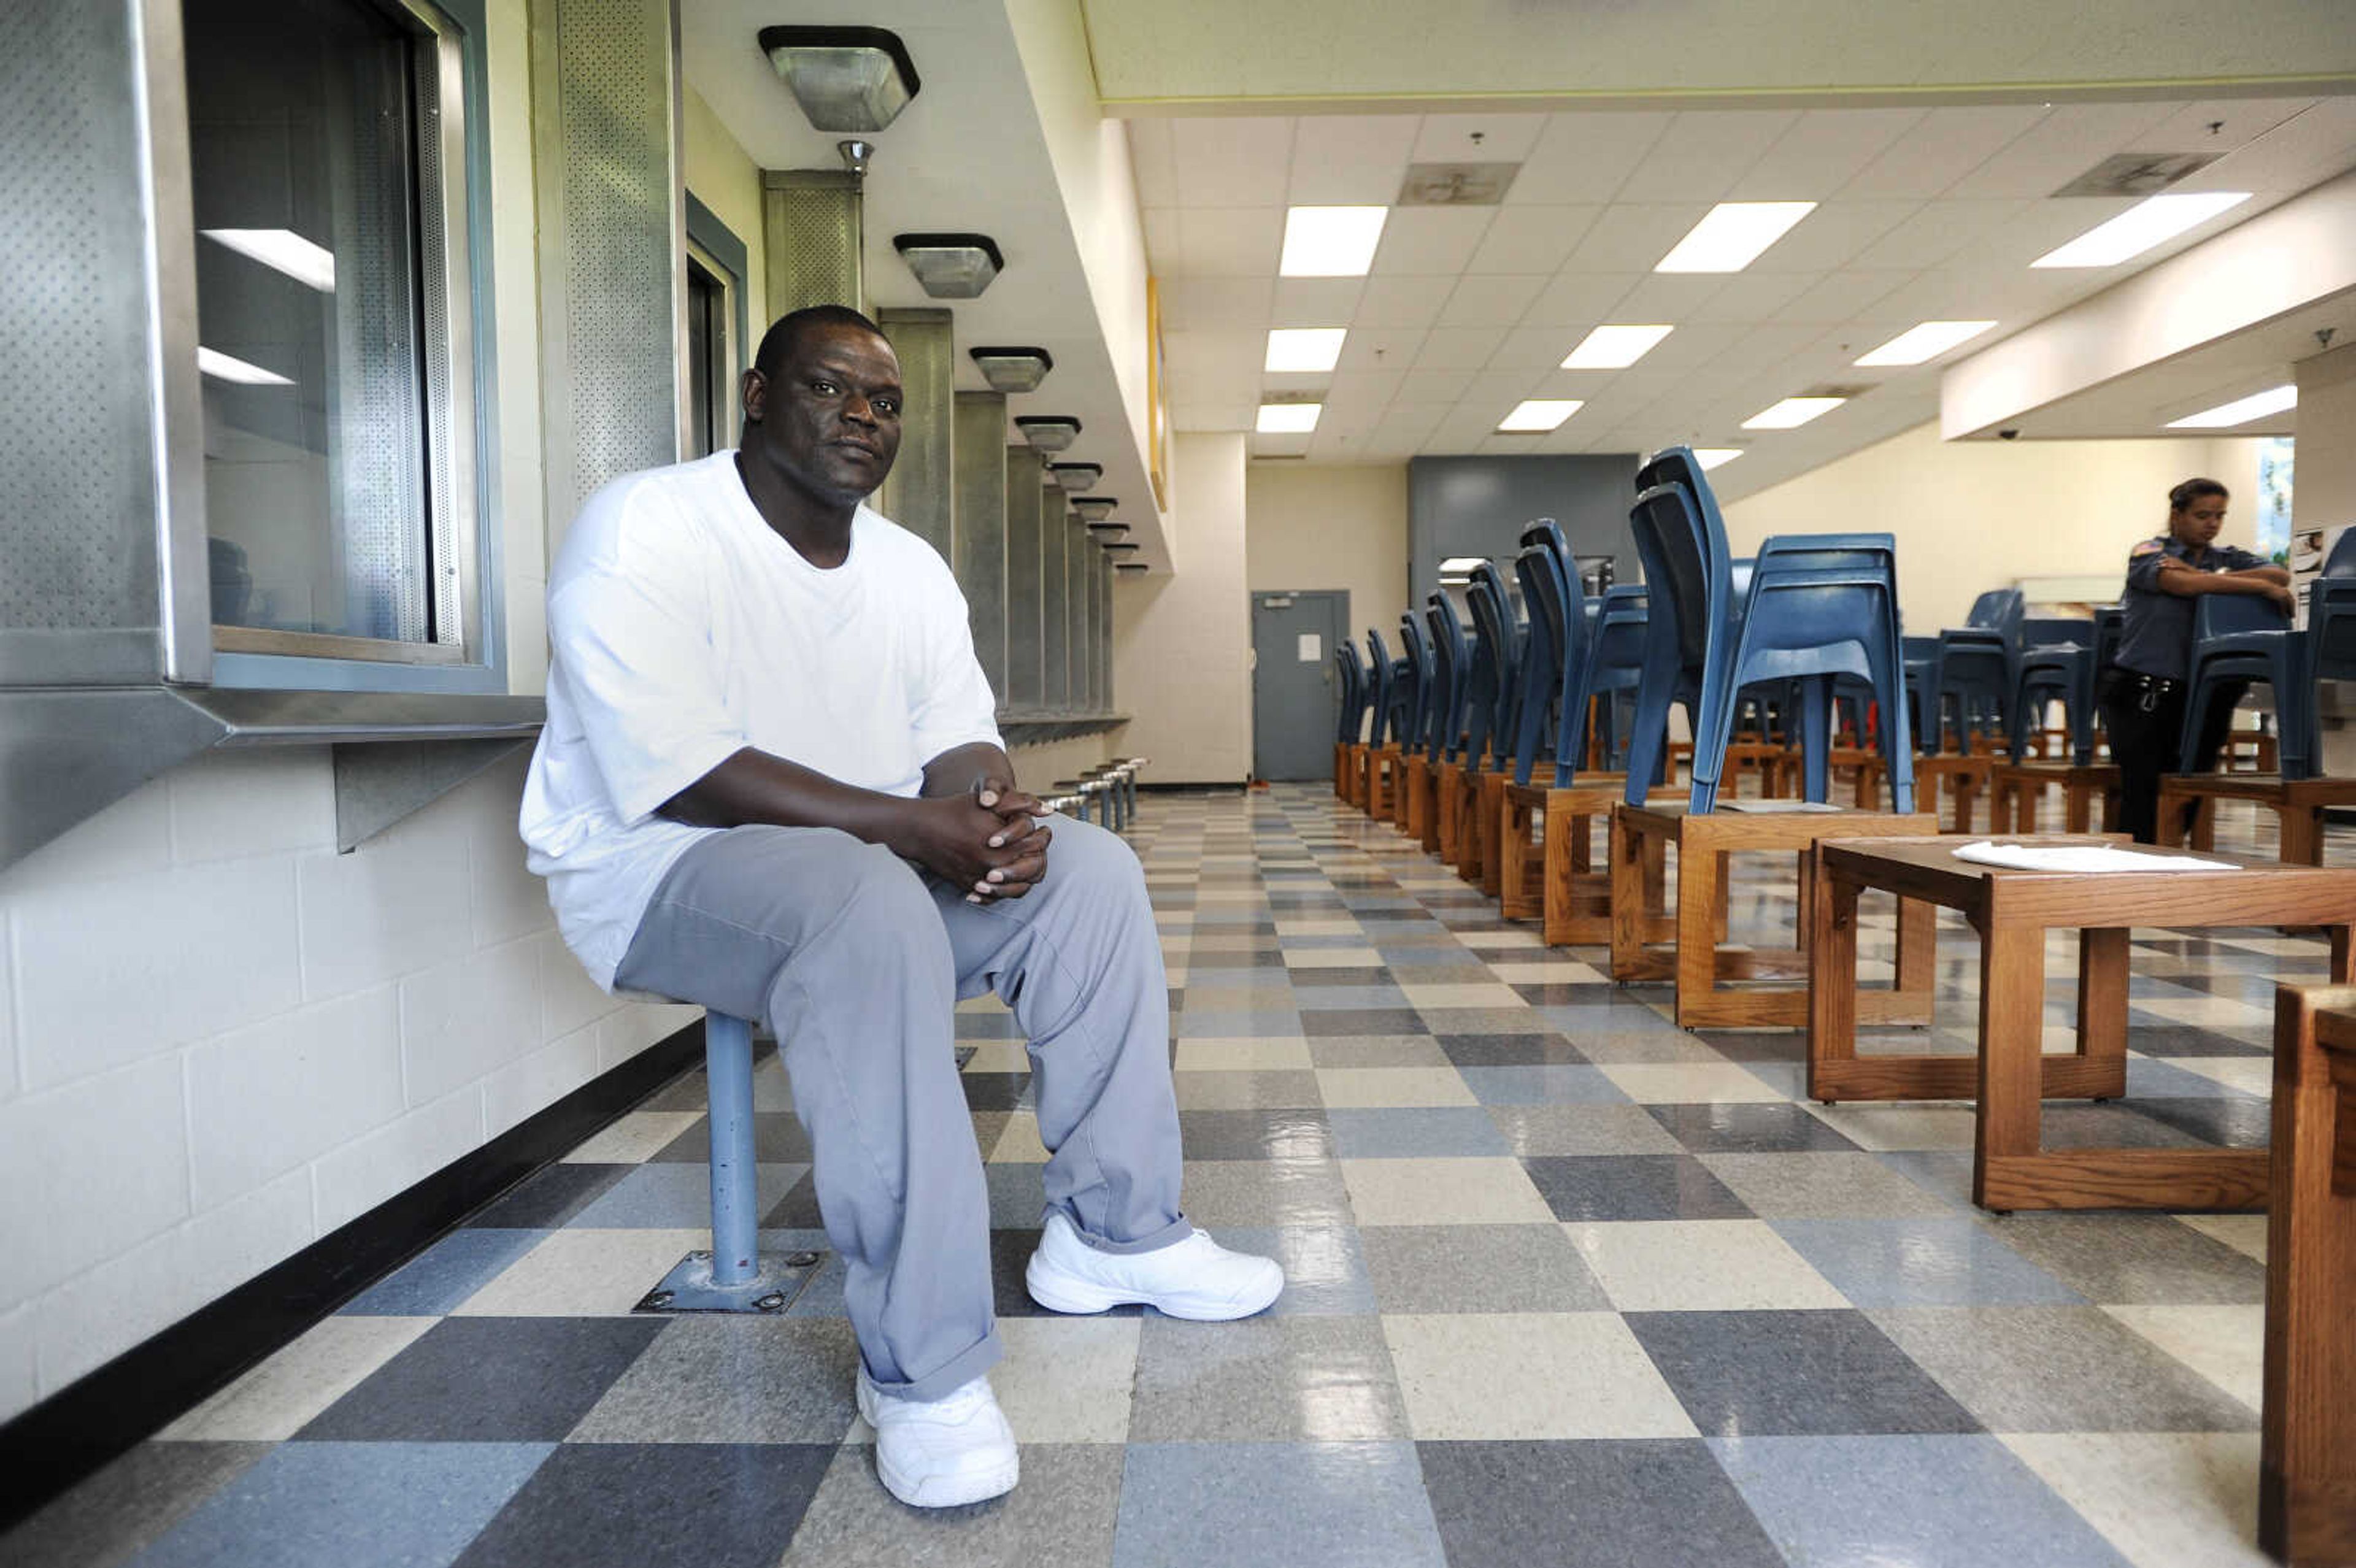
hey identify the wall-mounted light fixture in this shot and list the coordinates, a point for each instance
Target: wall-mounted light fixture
(1130, 566)
(1076, 477)
(845, 78)
(1108, 533)
(1096, 509)
(1122, 548)
(951, 266)
(1048, 433)
(1013, 369)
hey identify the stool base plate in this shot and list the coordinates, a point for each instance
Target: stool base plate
(688, 1287)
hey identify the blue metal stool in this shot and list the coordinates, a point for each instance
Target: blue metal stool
(736, 1275)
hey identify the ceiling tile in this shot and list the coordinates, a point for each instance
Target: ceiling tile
(1505, 138)
(1402, 302)
(1772, 344)
(1746, 296)
(2004, 247)
(1669, 297)
(1819, 153)
(1274, 381)
(1458, 348)
(1833, 234)
(1943, 147)
(1410, 422)
(1937, 232)
(1584, 157)
(1151, 153)
(1495, 301)
(1229, 241)
(1368, 389)
(1187, 414)
(1703, 152)
(1697, 343)
(2238, 121)
(2067, 142)
(1213, 304)
(1164, 252)
(1630, 237)
(1429, 241)
(1531, 239)
(2301, 152)
(1350, 160)
(1232, 163)
(1315, 302)
(1380, 348)
(1435, 385)
(1841, 296)
(1533, 349)
(1580, 300)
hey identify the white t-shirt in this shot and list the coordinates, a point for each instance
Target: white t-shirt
(682, 629)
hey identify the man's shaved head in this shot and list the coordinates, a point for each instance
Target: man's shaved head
(777, 345)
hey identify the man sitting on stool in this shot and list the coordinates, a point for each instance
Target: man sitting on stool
(771, 783)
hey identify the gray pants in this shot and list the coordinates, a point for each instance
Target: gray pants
(855, 959)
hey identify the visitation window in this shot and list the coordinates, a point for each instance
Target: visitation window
(327, 155)
(711, 355)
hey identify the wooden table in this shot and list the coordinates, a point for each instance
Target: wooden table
(1382, 781)
(2012, 910)
(1350, 771)
(1418, 816)
(1966, 778)
(1555, 880)
(2307, 1463)
(2018, 789)
(1695, 961)
(2297, 804)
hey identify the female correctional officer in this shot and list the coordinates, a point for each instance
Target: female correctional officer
(2144, 694)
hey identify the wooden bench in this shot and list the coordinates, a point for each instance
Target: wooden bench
(1382, 782)
(1966, 778)
(1349, 770)
(2011, 1074)
(1420, 816)
(2307, 1468)
(2016, 790)
(2299, 805)
(1695, 961)
(1546, 847)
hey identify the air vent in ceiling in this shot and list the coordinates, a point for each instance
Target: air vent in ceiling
(1857, 389)
(2136, 174)
(1280, 457)
(1456, 185)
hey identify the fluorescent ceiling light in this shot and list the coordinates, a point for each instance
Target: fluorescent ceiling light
(1615, 347)
(224, 367)
(1927, 341)
(1330, 241)
(1731, 236)
(2139, 228)
(1791, 412)
(1304, 347)
(1711, 457)
(283, 249)
(2241, 410)
(1288, 419)
(1538, 414)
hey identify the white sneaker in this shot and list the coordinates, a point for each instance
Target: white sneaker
(944, 1452)
(1197, 1279)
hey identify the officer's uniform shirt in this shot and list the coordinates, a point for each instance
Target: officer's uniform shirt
(2156, 638)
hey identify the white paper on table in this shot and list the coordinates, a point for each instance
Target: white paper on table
(2081, 858)
(1778, 807)
(1313, 647)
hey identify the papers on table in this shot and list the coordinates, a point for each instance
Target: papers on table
(2081, 857)
(1776, 808)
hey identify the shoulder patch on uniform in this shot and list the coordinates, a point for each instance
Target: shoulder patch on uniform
(2148, 547)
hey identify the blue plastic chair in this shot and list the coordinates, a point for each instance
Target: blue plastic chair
(2331, 613)
(2239, 637)
(1351, 673)
(1617, 635)
(1554, 656)
(1978, 662)
(1417, 655)
(2056, 660)
(1922, 712)
(1497, 660)
(1385, 727)
(1452, 658)
(1687, 604)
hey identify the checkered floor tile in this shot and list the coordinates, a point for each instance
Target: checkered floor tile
(1568, 1285)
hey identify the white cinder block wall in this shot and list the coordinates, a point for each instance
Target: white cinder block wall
(219, 1039)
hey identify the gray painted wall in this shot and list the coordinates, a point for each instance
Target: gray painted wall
(1478, 506)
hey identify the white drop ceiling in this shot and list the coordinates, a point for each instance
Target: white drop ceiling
(1925, 213)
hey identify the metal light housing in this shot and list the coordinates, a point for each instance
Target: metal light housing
(1019, 369)
(1048, 433)
(1096, 509)
(1130, 566)
(1122, 548)
(951, 266)
(1076, 477)
(845, 78)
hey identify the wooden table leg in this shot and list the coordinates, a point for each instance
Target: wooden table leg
(1632, 894)
(2012, 1044)
(2103, 1003)
(1918, 952)
(1698, 886)
(1832, 978)
(2307, 1444)
(2301, 834)
(1967, 796)
(2077, 806)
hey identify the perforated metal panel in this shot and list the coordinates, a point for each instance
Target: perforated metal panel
(623, 238)
(77, 476)
(1055, 601)
(919, 495)
(1025, 616)
(979, 527)
(811, 222)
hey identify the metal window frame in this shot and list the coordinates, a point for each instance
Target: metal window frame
(469, 654)
(716, 249)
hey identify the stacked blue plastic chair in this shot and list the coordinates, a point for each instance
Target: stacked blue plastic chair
(1690, 609)
(1452, 657)
(2056, 657)
(1496, 657)
(1419, 704)
(1554, 655)
(1977, 664)
(1922, 714)
(1386, 700)
(1351, 672)
(2331, 613)
(2241, 637)
(1615, 666)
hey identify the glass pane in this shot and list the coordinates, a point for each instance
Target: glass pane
(705, 343)
(303, 128)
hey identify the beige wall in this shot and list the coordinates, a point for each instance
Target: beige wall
(724, 179)
(1330, 526)
(2325, 493)
(1971, 516)
(1182, 642)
